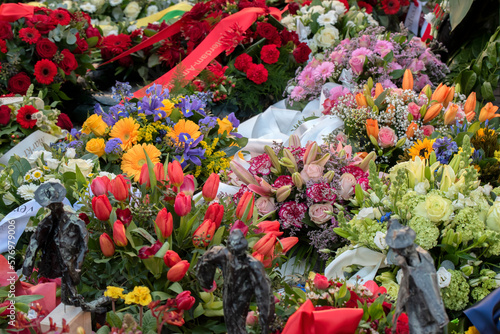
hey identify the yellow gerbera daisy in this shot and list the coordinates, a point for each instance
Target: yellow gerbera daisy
(127, 130)
(184, 126)
(421, 149)
(133, 160)
(168, 106)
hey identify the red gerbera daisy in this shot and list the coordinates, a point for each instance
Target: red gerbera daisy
(45, 70)
(29, 35)
(24, 116)
(390, 7)
(62, 17)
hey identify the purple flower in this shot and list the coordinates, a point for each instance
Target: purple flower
(189, 152)
(234, 121)
(113, 146)
(444, 148)
(191, 104)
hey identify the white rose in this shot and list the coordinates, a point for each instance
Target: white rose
(85, 166)
(153, 9)
(32, 159)
(379, 240)
(88, 7)
(52, 163)
(70, 153)
(97, 3)
(422, 187)
(366, 213)
(115, 2)
(493, 218)
(444, 277)
(318, 213)
(265, 205)
(132, 10)
(327, 37)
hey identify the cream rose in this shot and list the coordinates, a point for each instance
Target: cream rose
(312, 172)
(435, 208)
(493, 218)
(318, 214)
(327, 37)
(85, 166)
(265, 205)
(347, 183)
(132, 10)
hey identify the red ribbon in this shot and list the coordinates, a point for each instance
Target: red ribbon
(11, 12)
(306, 320)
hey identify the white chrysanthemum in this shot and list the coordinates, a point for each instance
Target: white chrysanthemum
(38, 155)
(153, 9)
(329, 18)
(88, 7)
(115, 2)
(27, 191)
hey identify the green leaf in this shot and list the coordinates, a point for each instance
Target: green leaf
(152, 177)
(153, 60)
(467, 81)
(27, 299)
(487, 91)
(148, 322)
(217, 239)
(70, 39)
(161, 252)
(103, 330)
(458, 10)
(381, 98)
(92, 41)
(396, 74)
(113, 319)
(142, 232)
(160, 295)
(176, 287)
(474, 127)
(22, 307)
(198, 311)
(389, 57)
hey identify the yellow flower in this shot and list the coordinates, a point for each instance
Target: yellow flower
(168, 106)
(422, 149)
(133, 160)
(184, 126)
(497, 155)
(140, 295)
(472, 330)
(483, 132)
(96, 125)
(114, 292)
(127, 130)
(225, 125)
(96, 146)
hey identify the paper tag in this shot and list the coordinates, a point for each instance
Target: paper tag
(413, 17)
(28, 145)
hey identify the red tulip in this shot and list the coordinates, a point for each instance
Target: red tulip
(147, 252)
(265, 245)
(288, 243)
(159, 171)
(211, 187)
(107, 246)
(125, 216)
(215, 213)
(120, 188)
(246, 200)
(269, 227)
(239, 225)
(171, 258)
(175, 173)
(119, 236)
(321, 282)
(182, 204)
(204, 234)
(188, 186)
(178, 271)
(101, 207)
(144, 176)
(100, 185)
(165, 223)
(184, 300)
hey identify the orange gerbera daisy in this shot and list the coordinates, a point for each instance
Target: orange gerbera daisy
(127, 130)
(133, 160)
(183, 126)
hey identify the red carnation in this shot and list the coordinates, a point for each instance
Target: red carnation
(68, 63)
(64, 122)
(197, 12)
(45, 71)
(81, 45)
(93, 32)
(242, 62)
(24, 116)
(267, 30)
(29, 35)
(367, 6)
(391, 7)
(46, 48)
(3, 46)
(19, 83)
(61, 16)
(269, 54)
(257, 73)
(301, 53)
(4, 115)
(42, 23)
(287, 36)
(5, 30)
(195, 30)
(252, 3)
(136, 33)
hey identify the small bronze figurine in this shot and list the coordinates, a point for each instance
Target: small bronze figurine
(244, 276)
(419, 292)
(62, 237)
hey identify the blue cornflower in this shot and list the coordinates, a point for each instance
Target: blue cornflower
(189, 152)
(113, 146)
(444, 148)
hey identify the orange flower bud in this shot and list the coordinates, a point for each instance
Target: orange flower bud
(408, 80)
(215, 213)
(470, 103)
(265, 245)
(410, 132)
(488, 112)
(211, 187)
(178, 271)
(119, 187)
(182, 205)
(165, 223)
(372, 128)
(204, 234)
(119, 235)
(107, 246)
(450, 114)
(449, 97)
(361, 100)
(175, 173)
(432, 112)
(101, 207)
(470, 116)
(246, 200)
(378, 90)
(171, 258)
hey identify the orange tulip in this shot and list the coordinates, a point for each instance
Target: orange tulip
(488, 112)
(432, 112)
(171, 258)
(265, 245)
(107, 246)
(372, 128)
(204, 234)
(408, 80)
(175, 173)
(470, 103)
(361, 100)
(211, 187)
(470, 116)
(440, 93)
(165, 223)
(449, 97)
(450, 114)
(378, 90)
(288, 243)
(245, 200)
(272, 227)
(178, 271)
(119, 235)
(410, 132)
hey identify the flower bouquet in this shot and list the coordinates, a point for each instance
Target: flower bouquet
(324, 24)
(373, 54)
(300, 187)
(45, 49)
(454, 218)
(157, 127)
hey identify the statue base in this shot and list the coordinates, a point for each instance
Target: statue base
(75, 317)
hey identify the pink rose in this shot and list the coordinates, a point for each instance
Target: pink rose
(312, 172)
(427, 129)
(318, 214)
(321, 282)
(265, 205)
(347, 183)
(252, 318)
(387, 137)
(357, 64)
(414, 110)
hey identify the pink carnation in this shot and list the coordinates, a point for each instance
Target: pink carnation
(292, 213)
(283, 180)
(260, 165)
(321, 192)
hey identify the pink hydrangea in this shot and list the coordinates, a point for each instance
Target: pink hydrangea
(292, 213)
(321, 192)
(260, 165)
(283, 180)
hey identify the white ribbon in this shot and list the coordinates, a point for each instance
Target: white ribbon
(413, 17)
(28, 145)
